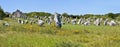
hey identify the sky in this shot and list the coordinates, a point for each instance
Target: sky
(62, 6)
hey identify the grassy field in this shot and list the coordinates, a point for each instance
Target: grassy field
(27, 35)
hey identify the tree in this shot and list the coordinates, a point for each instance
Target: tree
(88, 15)
(111, 15)
(65, 15)
(32, 14)
(2, 14)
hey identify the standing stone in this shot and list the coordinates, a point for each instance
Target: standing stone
(68, 20)
(19, 21)
(106, 22)
(97, 22)
(79, 21)
(6, 24)
(87, 23)
(73, 21)
(112, 23)
(57, 20)
(26, 21)
(50, 20)
(40, 22)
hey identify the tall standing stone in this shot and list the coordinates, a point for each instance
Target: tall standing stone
(57, 20)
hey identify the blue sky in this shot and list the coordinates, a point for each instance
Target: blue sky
(61, 6)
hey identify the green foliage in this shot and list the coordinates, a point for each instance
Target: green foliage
(112, 15)
(65, 15)
(118, 18)
(88, 15)
(32, 14)
(19, 35)
(2, 14)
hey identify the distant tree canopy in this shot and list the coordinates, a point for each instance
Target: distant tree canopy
(31, 14)
(108, 15)
(65, 15)
(112, 15)
(2, 14)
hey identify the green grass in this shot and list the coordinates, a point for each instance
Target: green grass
(18, 35)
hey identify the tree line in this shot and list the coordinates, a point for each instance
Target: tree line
(32, 14)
